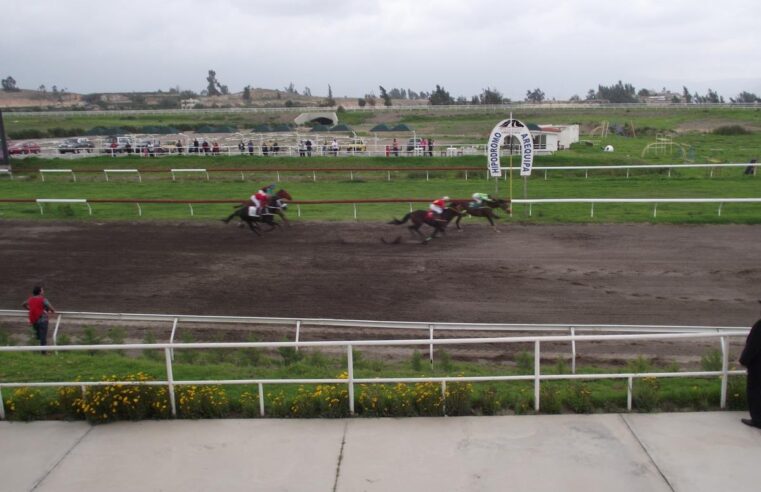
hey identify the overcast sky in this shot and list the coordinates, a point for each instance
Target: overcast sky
(563, 47)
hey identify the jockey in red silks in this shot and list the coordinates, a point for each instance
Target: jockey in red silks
(436, 208)
(260, 200)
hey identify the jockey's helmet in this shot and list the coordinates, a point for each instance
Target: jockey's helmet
(476, 195)
(445, 198)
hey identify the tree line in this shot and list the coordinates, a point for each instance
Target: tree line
(619, 92)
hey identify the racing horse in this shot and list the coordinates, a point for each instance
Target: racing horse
(276, 205)
(420, 217)
(486, 209)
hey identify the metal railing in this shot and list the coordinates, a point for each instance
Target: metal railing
(537, 377)
(355, 202)
(468, 171)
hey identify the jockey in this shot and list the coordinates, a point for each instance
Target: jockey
(260, 199)
(480, 198)
(436, 208)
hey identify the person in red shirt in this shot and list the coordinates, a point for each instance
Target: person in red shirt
(39, 307)
(261, 198)
(437, 206)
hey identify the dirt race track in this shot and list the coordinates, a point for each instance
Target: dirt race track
(643, 274)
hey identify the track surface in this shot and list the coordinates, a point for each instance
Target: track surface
(706, 275)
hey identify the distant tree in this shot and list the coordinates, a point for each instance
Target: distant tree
(9, 84)
(591, 95)
(461, 100)
(211, 87)
(440, 96)
(247, 93)
(307, 91)
(676, 99)
(384, 95)
(712, 97)
(644, 93)
(686, 94)
(370, 98)
(745, 97)
(188, 94)
(42, 88)
(618, 93)
(54, 89)
(362, 102)
(291, 89)
(475, 100)
(224, 89)
(330, 101)
(574, 98)
(395, 94)
(536, 96)
(289, 104)
(491, 96)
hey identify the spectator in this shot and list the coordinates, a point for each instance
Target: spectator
(215, 148)
(265, 150)
(39, 307)
(242, 147)
(395, 147)
(275, 148)
(179, 146)
(751, 359)
(430, 147)
(302, 148)
(196, 145)
(751, 169)
(250, 147)
(334, 147)
(309, 148)
(205, 147)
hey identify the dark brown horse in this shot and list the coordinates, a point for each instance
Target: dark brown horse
(276, 205)
(486, 209)
(420, 217)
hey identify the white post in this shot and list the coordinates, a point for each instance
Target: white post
(170, 380)
(355, 210)
(350, 363)
(261, 399)
(171, 337)
(537, 370)
(55, 330)
(629, 393)
(298, 331)
(724, 369)
(573, 351)
(430, 347)
(444, 397)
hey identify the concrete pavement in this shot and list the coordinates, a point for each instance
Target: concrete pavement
(679, 451)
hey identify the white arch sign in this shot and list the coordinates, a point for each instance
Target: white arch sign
(504, 129)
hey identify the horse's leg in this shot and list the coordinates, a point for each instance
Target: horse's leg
(253, 227)
(282, 216)
(491, 221)
(457, 223)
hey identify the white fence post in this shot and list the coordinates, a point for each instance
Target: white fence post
(350, 363)
(298, 332)
(537, 371)
(629, 389)
(170, 380)
(261, 399)
(2, 405)
(724, 369)
(430, 347)
(444, 397)
(573, 350)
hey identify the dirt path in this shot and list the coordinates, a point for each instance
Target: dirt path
(707, 275)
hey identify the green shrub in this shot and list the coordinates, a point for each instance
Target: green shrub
(152, 354)
(27, 404)
(578, 397)
(459, 399)
(489, 401)
(445, 360)
(645, 394)
(525, 362)
(639, 365)
(737, 397)
(249, 404)
(196, 402)
(124, 402)
(711, 361)
(730, 130)
(549, 399)
(289, 355)
(417, 361)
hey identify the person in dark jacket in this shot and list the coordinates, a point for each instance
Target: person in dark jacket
(751, 359)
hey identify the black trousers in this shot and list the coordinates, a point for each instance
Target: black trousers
(41, 331)
(754, 389)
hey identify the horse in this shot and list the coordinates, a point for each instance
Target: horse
(276, 205)
(420, 217)
(486, 209)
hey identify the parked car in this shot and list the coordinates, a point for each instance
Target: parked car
(24, 148)
(117, 145)
(75, 145)
(355, 145)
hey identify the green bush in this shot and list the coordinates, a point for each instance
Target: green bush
(645, 394)
(578, 397)
(27, 404)
(124, 402)
(730, 130)
(196, 402)
(711, 361)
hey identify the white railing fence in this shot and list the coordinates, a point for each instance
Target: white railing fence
(677, 333)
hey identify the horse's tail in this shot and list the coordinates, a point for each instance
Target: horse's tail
(400, 222)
